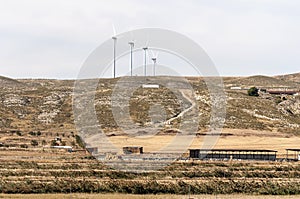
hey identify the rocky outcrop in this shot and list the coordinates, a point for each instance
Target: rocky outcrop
(290, 106)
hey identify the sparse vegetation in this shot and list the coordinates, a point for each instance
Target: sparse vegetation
(19, 133)
(278, 100)
(73, 143)
(33, 133)
(53, 143)
(79, 141)
(44, 142)
(34, 143)
(178, 178)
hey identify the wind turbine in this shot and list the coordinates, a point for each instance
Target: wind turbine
(131, 43)
(154, 63)
(114, 38)
(154, 59)
(145, 58)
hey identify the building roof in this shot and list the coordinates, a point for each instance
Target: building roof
(132, 147)
(282, 92)
(235, 150)
(292, 149)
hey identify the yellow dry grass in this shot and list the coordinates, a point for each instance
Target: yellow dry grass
(239, 139)
(130, 196)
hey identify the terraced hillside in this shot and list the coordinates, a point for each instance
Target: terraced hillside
(46, 105)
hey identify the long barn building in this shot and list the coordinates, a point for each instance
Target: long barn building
(239, 154)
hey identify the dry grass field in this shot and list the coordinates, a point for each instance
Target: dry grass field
(58, 171)
(238, 139)
(131, 196)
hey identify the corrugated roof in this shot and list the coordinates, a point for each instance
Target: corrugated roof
(235, 150)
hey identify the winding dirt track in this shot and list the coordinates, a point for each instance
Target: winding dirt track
(184, 111)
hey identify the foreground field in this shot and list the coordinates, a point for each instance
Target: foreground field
(130, 196)
(45, 170)
(52, 171)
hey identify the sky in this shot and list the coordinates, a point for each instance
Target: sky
(53, 38)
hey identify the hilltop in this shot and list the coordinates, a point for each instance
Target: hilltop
(264, 81)
(290, 77)
(9, 83)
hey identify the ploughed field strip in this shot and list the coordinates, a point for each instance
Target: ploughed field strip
(48, 170)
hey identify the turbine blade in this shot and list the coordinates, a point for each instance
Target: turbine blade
(152, 53)
(157, 53)
(149, 56)
(114, 29)
(147, 41)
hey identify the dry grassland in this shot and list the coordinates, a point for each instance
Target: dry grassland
(239, 139)
(130, 196)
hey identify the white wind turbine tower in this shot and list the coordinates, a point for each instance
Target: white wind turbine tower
(154, 59)
(154, 63)
(145, 59)
(114, 38)
(131, 43)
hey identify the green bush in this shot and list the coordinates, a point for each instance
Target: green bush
(253, 91)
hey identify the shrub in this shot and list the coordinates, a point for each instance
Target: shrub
(19, 133)
(32, 133)
(44, 142)
(79, 141)
(54, 143)
(73, 143)
(278, 100)
(24, 146)
(253, 91)
(34, 143)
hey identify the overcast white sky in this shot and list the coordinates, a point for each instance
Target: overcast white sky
(52, 38)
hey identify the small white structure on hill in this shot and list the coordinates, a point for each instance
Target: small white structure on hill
(68, 148)
(235, 88)
(150, 86)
